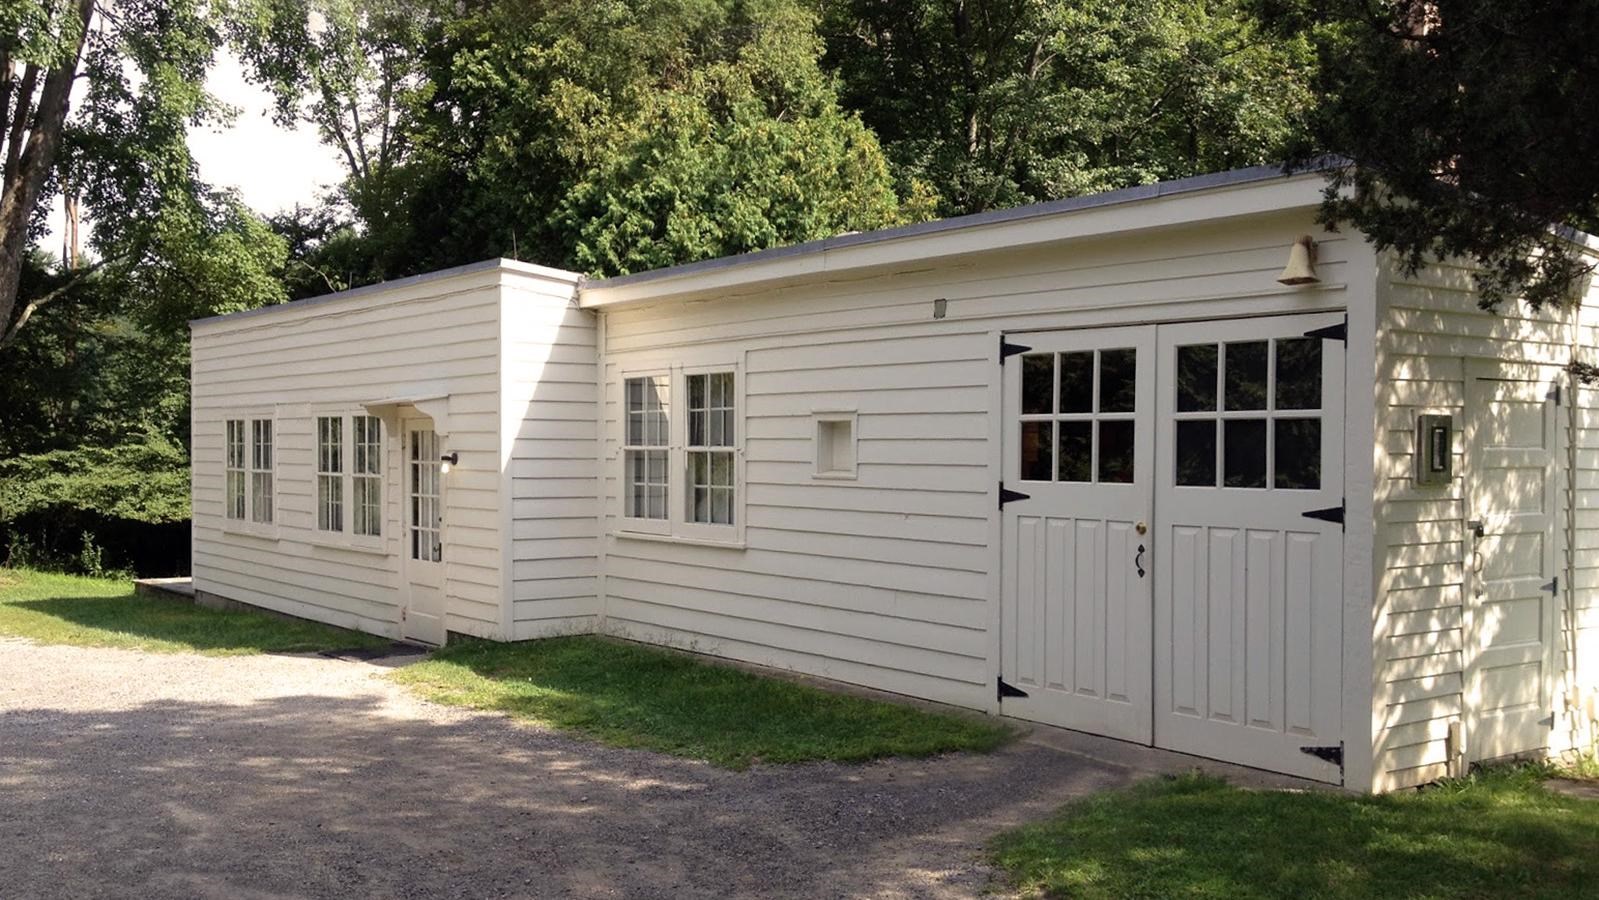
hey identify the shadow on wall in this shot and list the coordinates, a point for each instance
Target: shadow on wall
(320, 796)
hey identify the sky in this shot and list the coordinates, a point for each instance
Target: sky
(273, 168)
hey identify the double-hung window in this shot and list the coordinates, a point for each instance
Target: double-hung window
(261, 471)
(349, 476)
(680, 463)
(330, 473)
(236, 478)
(648, 450)
(366, 475)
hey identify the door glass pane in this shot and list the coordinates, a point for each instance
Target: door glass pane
(1196, 453)
(1246, 376)
(1038, 383)
(1118, 377)
(1299, 373)
(1077, 382)
(1196, 378)
(1244, 453)
(1075, 456)
(1116, 451)
(1038, 457)
(1298, 454)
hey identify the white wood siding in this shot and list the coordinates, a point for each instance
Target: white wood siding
(548, 404)
(1577, 693)
(1427, 327)
(892, 580)
(439, 336)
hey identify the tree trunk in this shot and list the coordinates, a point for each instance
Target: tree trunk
(32, 168)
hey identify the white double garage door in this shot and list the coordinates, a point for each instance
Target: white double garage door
(1162, 582)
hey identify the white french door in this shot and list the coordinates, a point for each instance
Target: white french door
(1248, 588)
(1161, 580)
(423, 617)
(1075, 606)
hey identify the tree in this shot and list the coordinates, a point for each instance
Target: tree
(139, 69)
(1002, 102)
(1467, 127)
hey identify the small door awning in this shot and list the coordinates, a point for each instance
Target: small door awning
(434, 406)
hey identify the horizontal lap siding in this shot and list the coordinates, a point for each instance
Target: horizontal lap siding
(1427, 326)
(549, 402)
(889, 580)
(1579, 646)
(299, 363)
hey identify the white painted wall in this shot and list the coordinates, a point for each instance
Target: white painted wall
(549, 448)
(1428, 328)
(892, 580)
(1578, 691)
(439, 334)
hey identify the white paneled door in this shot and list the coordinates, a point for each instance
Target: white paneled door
(1075, 611)
(1162, 581)
(423, 617)
(1510, 441)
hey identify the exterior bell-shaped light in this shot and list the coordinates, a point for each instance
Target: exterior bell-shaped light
(1301, 268)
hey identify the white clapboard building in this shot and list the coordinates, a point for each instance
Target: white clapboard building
(1088, 463)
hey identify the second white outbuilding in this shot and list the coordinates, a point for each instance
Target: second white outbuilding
(1086, 463)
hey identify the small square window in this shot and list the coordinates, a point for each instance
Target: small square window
(835, 445)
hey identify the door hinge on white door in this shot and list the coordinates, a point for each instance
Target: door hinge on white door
(1333, 753)
(1554, 394)
(1005, 689)
(1006, 495)
(1007, 349)
(1330, 514)
(1553, 587)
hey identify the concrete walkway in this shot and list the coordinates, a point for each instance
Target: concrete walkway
(132, 774)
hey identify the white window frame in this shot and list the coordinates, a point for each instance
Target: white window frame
(236, 465)
(676, 526)
(645, 524)
(346, 537)
(249, 525)
(331, 474)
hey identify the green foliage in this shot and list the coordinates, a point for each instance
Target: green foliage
(145, 479)
(1014, 101)
(1497, 834)
(1469, 125)
(629, 695)
(100, 612)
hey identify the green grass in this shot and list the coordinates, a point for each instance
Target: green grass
(630, 695)
(101, 612)
(1496, 834)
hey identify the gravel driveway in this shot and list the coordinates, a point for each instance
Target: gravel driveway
(132, 774)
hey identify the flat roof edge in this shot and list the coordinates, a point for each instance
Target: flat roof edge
(1230, 178)
(488, 265)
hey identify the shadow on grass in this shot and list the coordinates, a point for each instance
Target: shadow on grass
(145, 623)
(630, 695)
(1499, 834)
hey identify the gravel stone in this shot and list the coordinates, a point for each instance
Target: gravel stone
(165, 775)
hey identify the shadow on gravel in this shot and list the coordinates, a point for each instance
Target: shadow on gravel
(324, 797)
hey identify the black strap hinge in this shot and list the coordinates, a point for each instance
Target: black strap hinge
(1007, 690)
(1553, 587)
(1006, 495)
(1007, 349)
(1333, 753)
(1554, 394)
(1330, 514)
(1339, 332)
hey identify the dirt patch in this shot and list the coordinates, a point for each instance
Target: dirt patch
(124, 773)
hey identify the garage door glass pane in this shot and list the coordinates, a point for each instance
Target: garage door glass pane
(1076, 451)
(1196, 378)
(1245, 364)
(1298, 454)
(1038, 383)
(1118, 377)
(1196, 453)
(1116, 452)
(1077, 382)
(1038, 459)
(1244, 453)
(1299, 373)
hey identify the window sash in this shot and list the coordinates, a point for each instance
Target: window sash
(647, 439)
(330, 473)
(234, 502)
(261, 471)
(711, 491)
(366, 483)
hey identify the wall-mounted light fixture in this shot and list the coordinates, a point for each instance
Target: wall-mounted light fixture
(1301, 268)
(448, 461)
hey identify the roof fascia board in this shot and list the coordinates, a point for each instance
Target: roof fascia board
(1136, 210)
(488, 272)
